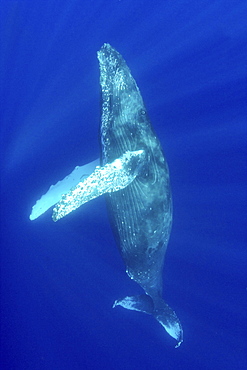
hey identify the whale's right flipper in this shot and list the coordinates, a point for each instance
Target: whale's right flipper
(109, 178)
(55, 192)
(80, 186)
(162, 313)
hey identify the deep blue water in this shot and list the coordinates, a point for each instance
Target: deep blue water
(59, 280)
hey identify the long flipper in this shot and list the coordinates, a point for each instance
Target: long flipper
(55, 192)
(112, 177)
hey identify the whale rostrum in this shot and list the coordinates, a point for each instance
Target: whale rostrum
(134, 177)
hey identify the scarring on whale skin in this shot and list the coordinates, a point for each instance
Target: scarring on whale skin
(135, 178)
(141, 213)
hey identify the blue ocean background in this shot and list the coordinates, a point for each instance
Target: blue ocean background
(59, 280)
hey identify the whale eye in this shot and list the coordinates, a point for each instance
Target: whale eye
(142, 115)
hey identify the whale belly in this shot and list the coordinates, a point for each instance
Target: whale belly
(141, 214)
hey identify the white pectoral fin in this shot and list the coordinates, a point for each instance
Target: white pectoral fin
(109, 178)
(55, 192)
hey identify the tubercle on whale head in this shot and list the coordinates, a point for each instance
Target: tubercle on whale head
(110, 61)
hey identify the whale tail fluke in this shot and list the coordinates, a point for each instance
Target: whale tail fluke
(141, 303)
(161, 312)
(170, 322)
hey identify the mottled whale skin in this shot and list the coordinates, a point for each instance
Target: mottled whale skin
(141, 213)
(135, 178)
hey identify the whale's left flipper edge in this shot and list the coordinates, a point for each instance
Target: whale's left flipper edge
(55, 192)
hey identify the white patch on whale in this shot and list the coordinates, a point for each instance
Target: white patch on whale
(109, 178)
(55, 192)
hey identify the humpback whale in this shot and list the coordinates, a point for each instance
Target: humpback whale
(134, 176)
